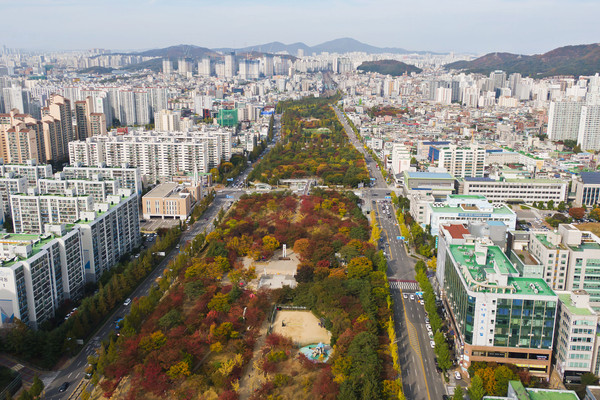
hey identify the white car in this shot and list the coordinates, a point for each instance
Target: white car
(412, 297)
(127, 302)
(432, 344)
(428, 327)
(457, 376)
(405, 295)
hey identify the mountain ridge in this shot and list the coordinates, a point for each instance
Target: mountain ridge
(583, 59)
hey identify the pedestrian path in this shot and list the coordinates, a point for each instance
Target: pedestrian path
(405, 286)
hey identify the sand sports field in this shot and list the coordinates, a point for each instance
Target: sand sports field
(300, 326)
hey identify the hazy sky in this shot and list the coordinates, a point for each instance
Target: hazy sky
(476, 26)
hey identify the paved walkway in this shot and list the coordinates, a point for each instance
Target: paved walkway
(251, 377)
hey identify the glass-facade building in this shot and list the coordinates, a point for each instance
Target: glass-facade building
(497, 314)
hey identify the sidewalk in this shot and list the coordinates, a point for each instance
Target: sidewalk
(252, 378)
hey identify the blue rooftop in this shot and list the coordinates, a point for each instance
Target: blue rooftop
(429, 175)
(496, 223)
(435, 143)
(590, 177)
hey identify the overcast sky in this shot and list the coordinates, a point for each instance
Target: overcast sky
(474, 26)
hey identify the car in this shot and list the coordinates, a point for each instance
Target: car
(63, 387)
(430, 334)
(127, 302)
(412, 296)
(426, 320)
(432, 344)
(457, 375)
(405, 295)
(428, 326)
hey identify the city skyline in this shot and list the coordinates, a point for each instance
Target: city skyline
(527, 27)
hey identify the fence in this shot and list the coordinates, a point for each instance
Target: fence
(13, 386)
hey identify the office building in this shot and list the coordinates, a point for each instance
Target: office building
(437, 184)
(469, 208)
(462, 161)
(525, 190)
(575, 348)
(169, 200)
(587, 189)
(496, 314)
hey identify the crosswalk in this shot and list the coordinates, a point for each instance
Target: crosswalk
(410, 286)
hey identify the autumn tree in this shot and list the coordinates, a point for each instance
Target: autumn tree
(476, 390)
(359, 267)
(577, 212)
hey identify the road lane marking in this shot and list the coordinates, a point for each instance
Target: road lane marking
(412, 336)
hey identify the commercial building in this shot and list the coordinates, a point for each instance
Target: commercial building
(168, 200)
(400, 158)
(587, 189)
(498, 315)
(525, 190)
(469, 208)
(552, 257)
(437, 184)
(462, 161)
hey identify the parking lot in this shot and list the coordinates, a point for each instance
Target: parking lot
(153, 225)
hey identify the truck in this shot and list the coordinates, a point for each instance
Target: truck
(160, 253)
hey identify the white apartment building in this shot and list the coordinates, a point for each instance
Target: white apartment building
(108, 232)
(462, 161)
(127, 177)
(527, 190)
(589, 128)
(167, 121)
(99, 189)
(11, 184)
(563, 120)
(552, 257)
(159, 156)
(39, 272)
(32, 211)
(31, 171)
(400, 158)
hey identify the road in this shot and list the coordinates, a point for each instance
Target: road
(420, 380)
(75, 371)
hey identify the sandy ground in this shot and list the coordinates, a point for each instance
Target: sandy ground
(274, 273)
(300, 326)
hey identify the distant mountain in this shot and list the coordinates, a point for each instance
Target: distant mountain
(388, 67)
(343, 45)
(182, 50)
(569, 60)
(96, 70)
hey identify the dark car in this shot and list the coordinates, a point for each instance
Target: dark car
(63, 387)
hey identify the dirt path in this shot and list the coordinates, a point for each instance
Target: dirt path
(251, 377)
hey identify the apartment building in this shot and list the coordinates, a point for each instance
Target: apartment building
(9, 185)
(38, 273)
(98, 188)
(462, 161)
(526, 190)
(587, 189)
(108, 232)
(127, 177)
(552, 256)
(29, 170)
(32, 211)
(159, 156)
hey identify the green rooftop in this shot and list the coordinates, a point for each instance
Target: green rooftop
(541, 394)
(566, 300)
(466, 255)
(544, 240)
(450, 209)
(586, 246)
(26, 239)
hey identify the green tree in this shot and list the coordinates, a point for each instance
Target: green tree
(595, 214)
(562, 206)
(476, 391)
(359, 267)
(458, 393)
(550, 205)
(36, 387)
(587, 379)
(503, 375)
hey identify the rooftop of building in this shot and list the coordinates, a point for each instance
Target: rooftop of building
(567, 301)
(164, 190)
(428, 175)
(544, 240)
(457, 231)
(524, 393)
(22, 239)
(590, 178)
(501, 210)
(496, 260)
